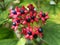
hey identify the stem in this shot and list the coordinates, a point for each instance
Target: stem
(40, 23)
(38, 4)
(17, 32)
(43, 41)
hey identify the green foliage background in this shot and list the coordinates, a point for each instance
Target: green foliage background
(51, 29)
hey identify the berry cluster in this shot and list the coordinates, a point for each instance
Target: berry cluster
(32, 33)
(26, 17)
(43, 17)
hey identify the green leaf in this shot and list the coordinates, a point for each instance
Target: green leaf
(4, 16)
(6, 33)
(22, 41)
(52, 33)
(8, 42)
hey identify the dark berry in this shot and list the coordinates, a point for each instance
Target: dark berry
(40, 30)
(28, 20)
(22, 11)
(43, 15)
(14, 24)
(18, 21)
(14, 12)
(33, 17)
(30, 33)
(45, 19)
(35, 36)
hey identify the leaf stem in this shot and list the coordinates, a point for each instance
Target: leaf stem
(17, 32)
(43, 41)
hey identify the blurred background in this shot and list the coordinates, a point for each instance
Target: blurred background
(51, 29)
